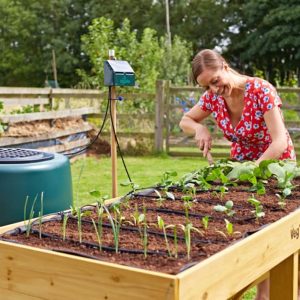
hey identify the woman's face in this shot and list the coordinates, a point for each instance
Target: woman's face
(216, 81)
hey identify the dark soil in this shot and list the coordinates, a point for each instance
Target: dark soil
(131, 252)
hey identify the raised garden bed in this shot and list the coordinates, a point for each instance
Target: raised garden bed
(179, 240)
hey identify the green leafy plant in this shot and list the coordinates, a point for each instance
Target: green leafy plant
(133, 185)
(282, 197)
(227, 208)
(258, 208)
(166, 180)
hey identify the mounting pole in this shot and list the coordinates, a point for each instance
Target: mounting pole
(113, 142)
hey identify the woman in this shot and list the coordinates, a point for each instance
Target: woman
(247, 110)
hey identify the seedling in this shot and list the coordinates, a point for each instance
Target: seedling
(227, 208)
(64, 226)
(229, 227)
(160, 198)
(166, 180)
(187, 203)
(99, 228)
(175, 239)
(161, 225)
(282, 197)
(41, 212)
(116, 223)
(258, 207)
(222, 190)
(130, 183)
(205, 221)
(187, 236)
(79, 224)
(28, 223)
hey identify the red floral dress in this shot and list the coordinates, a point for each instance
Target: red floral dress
(250, 138)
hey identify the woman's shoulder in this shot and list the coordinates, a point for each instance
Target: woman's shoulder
(260, 85)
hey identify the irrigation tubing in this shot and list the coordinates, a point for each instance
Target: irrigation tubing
(115, 135)
(72, 154)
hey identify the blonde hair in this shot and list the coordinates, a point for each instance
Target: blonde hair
(206, 59)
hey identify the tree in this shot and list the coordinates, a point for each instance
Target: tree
(267, 37)
(149, 57)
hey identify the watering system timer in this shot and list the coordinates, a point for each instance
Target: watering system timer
(118, 73)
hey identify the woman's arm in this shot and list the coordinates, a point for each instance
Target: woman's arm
(190, 123)
(278, 135)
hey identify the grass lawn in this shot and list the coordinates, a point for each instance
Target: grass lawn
(95, 174)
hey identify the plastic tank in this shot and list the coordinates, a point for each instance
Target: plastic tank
(26, 173)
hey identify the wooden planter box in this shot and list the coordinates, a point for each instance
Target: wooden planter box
(30, 273)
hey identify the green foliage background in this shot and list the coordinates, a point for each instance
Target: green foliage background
(254, 35)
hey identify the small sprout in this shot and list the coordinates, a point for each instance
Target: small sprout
(161, 225)
(187, 204)
(130, 183)
(187, 236)
(227, 208)
(28, 223)
(64, 226)
(205, 221)
(222, 190)
(41, 212)
(79, 224)
(115, 223)
(229, 227)
(160, 198)
(257, 206)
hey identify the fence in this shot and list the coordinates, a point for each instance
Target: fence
(41, 118)
(157, 124)
(173, 101)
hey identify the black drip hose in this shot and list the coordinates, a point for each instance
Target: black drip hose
(116, 138)
(72, 154)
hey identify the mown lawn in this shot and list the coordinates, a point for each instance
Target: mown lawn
(95, 174)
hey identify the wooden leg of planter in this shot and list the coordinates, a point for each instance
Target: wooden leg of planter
(284, 279)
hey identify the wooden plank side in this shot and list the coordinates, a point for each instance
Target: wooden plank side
(40, 273)
(47, 115)
(6, 294)
(284, 279)
(229, 271)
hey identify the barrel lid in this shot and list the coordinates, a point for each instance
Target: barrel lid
(19, 155)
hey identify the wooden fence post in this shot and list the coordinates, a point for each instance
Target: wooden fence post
(159, 115)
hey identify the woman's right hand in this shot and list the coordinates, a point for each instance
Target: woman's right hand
(203, 139)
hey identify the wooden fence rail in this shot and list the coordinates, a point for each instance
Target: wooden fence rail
(53, 103)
